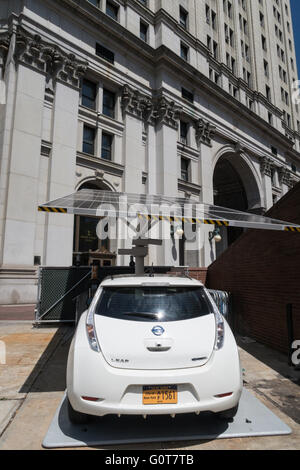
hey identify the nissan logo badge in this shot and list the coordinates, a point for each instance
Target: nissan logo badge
(158, 330)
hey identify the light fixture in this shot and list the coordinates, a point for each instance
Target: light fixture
(179, 231)
(176, 230)
(215, 235)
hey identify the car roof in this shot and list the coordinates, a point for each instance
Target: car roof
(159, 280)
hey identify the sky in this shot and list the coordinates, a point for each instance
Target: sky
(295, 5)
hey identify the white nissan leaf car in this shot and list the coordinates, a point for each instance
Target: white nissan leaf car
(152, 345)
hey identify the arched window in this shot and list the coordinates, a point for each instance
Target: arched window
(85, 236)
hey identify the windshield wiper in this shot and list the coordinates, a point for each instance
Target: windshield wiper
(141, 314)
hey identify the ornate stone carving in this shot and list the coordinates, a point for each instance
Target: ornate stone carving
(167, 112)
(99, 175)
(286, 177)
(153, 110)
(238, 148)
(266, 165)
(136, 103)
(205, 131)
(48, 58)
(4, 46)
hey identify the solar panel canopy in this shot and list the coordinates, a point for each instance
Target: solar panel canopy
(99, 203)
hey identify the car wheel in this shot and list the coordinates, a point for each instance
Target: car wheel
(75, 416)
(228, 414)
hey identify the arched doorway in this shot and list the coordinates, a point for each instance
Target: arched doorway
(87, 247)
(235, 187)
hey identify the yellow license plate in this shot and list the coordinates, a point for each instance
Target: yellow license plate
(160, 394)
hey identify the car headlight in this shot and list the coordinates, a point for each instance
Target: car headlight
(91, 331)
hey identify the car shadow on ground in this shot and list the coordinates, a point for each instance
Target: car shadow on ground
(49, 373)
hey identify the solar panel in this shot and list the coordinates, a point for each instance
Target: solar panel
(99, 203)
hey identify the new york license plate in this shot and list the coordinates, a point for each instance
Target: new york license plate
(160, 394)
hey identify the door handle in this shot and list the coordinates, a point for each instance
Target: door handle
(158, 348)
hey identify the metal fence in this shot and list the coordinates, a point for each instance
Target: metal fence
(58, 288)
(62, 291)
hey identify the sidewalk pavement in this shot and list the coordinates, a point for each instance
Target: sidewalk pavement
(32, 383)
(18, 312)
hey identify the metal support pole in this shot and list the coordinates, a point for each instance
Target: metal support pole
(139, 251)
(290, 331)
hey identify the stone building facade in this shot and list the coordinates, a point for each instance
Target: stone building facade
(189, 98)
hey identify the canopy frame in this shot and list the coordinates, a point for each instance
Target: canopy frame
(155, 208)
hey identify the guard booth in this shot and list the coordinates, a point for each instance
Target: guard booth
(139, 216)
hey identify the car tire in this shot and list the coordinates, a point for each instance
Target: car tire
(75, 416)
(228, 414)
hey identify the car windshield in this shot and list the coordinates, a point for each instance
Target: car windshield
(153, 303)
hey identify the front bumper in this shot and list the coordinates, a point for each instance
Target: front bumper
(119, 391)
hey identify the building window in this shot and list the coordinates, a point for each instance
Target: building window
(88, 94)
(274, 151)
(215, 49)
(112, 10)
(185, 169)
(88, 142)
(143, 31)
(266, 68)
(105, 54)
(213, 19)
(270, 118)
(109, 100)
(187, 95)
(183, 132)
(95, 2)
(183, 17)
(106, 147)
(184, 51)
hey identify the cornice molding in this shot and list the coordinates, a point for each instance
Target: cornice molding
(188, 187)
(100, 164)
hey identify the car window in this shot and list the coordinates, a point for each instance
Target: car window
(153, 303)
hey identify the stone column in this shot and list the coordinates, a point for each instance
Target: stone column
(40, 65)
(132, 104)
(286, 179)
(266, 171)
(204, 135)
(21, 209)
(167, 170)
(59, 227)
(133, 154)
(151, 159)
(7, 105)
